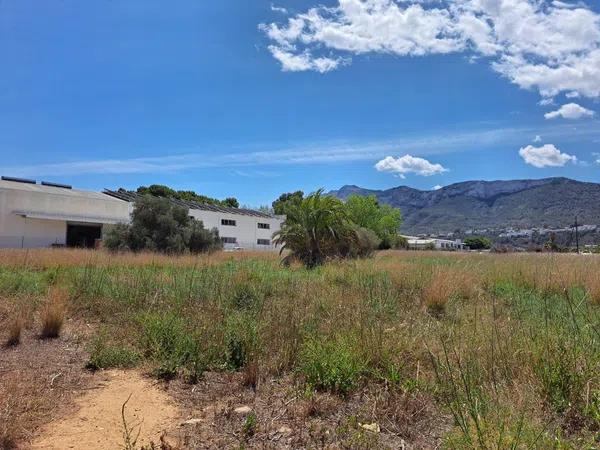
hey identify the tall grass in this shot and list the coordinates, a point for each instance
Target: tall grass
(508, 346)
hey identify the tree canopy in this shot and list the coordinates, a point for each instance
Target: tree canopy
(286, 200)
(383, 220)
(160, 190)
(159, 225)
(478, 243)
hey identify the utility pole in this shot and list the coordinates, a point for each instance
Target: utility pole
(577, 234)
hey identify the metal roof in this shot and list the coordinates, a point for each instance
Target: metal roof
(70, 217)
(54, 190)
(130, 196)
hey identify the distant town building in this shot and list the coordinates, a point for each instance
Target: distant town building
(48, 214)
(425, 243)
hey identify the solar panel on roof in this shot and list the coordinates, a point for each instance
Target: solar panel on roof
(58, 185)
(18, 180)
(130, 196)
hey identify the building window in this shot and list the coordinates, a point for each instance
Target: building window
(229, 240)
(264, 226)
(228, 222)
(263, 242)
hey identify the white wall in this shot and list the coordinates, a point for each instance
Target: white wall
(246, 230)
(17, 231)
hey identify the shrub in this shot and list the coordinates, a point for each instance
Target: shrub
(15, 328)
(157, 224)
(437, 292)
(478, 243)
(105, 356)
(52, 314)
(167, 341)
(334, 365)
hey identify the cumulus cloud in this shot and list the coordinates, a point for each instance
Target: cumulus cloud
(537, 138)
(570, 111)
(550, 46)
(437, 187)
(409, 164)
(545, 156)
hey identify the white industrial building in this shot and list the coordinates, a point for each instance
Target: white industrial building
(36, 215)
(422, 243)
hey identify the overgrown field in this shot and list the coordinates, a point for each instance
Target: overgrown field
(456, 350)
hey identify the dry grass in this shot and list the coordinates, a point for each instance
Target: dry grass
(15, 328)
(473, 350)
(52, 313)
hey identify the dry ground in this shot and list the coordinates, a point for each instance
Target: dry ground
(406, 350)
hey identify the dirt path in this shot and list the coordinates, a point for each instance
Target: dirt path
(97, 423)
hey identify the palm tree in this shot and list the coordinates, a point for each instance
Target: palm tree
(316, 228)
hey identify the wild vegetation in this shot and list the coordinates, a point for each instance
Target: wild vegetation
(320, 227)
(454, 350)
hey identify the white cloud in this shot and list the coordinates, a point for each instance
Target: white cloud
(537, 138)
(292, 62)
(322, 152)
(545, 156)
(551, 46)
(437, 187)
(278, 9)
(409, 164)
(570, 111)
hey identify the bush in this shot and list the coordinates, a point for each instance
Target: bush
(157, 224)
(106, 356)
(365, 244)
(167, 341)
(52, 314)
(334, 365)
(478, 243)
(15, 328)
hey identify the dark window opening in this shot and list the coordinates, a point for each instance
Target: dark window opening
(228, 222)
(264, 226)
(263, 242)
(83, 235)
(229, 240)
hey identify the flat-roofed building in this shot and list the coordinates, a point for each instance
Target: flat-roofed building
(423, 243)
(44, 215)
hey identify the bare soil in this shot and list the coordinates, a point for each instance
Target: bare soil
(97, 423)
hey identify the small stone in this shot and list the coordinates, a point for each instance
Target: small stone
(242, 410)
(284, 430)
(192, 422)
(372, 427)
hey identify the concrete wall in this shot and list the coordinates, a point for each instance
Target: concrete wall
(246, 230)
(17, 231)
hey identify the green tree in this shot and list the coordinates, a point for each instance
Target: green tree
(316, 228)
(478, 243)
(160, 190)
(157, 224)
(383, 220)
(231, 202)
(285, 200)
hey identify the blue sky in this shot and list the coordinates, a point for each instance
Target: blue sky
(251, 99)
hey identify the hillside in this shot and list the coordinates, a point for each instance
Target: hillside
(549, 202)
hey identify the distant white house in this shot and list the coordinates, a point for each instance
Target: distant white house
(422, 243)
(47, 214)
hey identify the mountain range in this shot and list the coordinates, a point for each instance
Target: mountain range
(485, 205)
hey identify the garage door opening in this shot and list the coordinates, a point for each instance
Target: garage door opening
(83, 235)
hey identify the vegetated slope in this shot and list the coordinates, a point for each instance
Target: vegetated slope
(552, 202)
